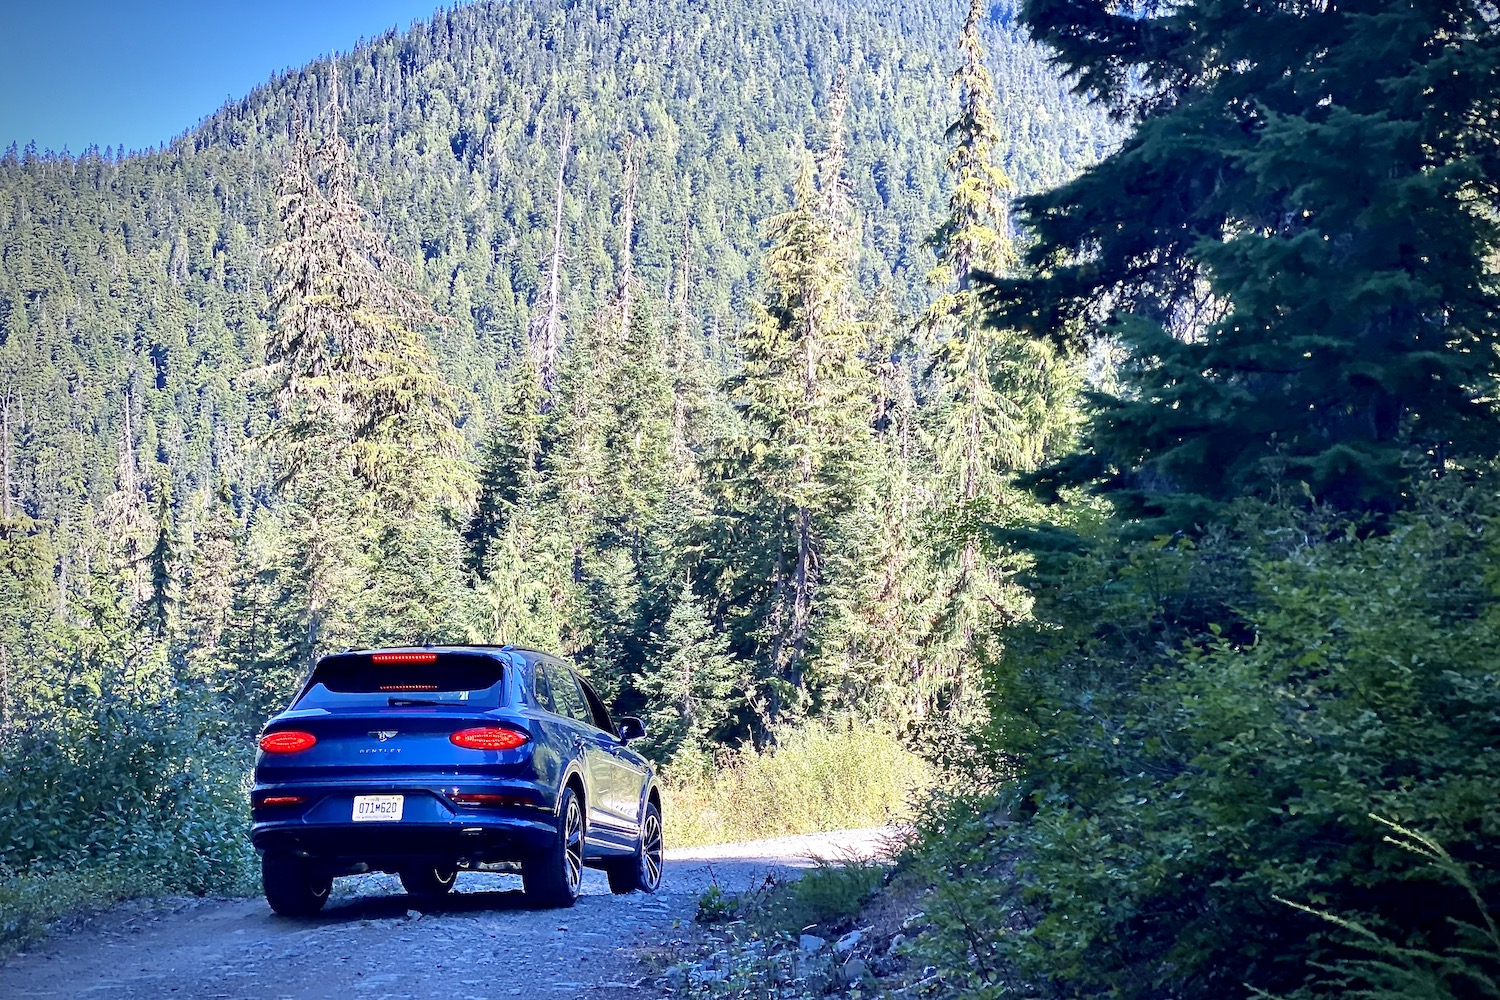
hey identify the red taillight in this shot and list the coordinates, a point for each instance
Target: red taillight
(484, 800)
(404, 657)
(489, 738)
(408, 687)
(281, 800)
(287, 741)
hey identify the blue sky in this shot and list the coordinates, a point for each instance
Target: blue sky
(76, 72)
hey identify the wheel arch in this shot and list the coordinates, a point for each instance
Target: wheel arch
(573, 778)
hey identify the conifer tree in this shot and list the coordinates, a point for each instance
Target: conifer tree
(357, 388)
(210, 587)
(26, 563)
(980, 437)
(804, 394)
(510, 469)
(690, 686)
(1292, 244)
(163, 567)
(991, 379)
(126, 517)
(366, 435)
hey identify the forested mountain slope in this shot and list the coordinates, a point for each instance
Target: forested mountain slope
(133, 290)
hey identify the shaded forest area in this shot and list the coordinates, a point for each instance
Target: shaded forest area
(1122, 439)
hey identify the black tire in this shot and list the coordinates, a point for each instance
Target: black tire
(641, 873)
(291, 888)
(553, 877)
(428, 881)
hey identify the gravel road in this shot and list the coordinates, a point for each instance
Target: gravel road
(372, 941)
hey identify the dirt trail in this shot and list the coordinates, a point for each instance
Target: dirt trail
(372, 941)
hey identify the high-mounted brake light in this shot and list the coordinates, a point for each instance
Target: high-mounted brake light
(408, 687)
(489, 738)
(287, 741)
(404, 657)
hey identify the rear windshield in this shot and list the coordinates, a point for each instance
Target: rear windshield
(470, 680)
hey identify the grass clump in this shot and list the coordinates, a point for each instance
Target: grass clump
(829, 896)
(821, 776)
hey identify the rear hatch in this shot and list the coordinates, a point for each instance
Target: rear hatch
(391, 715)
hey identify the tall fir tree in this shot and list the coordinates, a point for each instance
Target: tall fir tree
(366, 432)
(1001, 397)
(805, 397)
(690, 686)
(1291, 243)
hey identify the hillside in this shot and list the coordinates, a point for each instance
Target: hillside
(133, 291)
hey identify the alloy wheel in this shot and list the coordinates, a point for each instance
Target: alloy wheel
(651, 849)
(573, 844)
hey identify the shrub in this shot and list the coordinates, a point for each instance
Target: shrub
(818, 777)
(1204, 725)
(120, 802)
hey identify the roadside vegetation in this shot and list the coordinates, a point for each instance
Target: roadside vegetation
(1245, 733)
(833, 776)
(116, 803)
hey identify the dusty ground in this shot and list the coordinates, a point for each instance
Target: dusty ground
(372, 941)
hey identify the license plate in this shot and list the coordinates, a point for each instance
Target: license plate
(378, 808)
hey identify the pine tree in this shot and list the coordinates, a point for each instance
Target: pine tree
(26, 561)
(691, 685)
(510, 470)
(367, 439)
(163, 567)
(1291, 243)
(125, 517)
(210, 587)
(357, 386)
(805, 397)
(1001, 397)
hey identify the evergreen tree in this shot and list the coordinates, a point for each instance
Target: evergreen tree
(691, 685)
(358, 389)
(367, 439)
(805, 396)
(509, 471)
(164, 569)
(210, 587)
(126, 518)
(1003, 397)
(26, 591)
(1291, 243)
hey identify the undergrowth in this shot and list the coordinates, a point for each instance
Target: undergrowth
(116, 803)
(818, 777)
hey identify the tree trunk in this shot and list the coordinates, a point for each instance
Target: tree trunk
(627, 239)
(547, 328)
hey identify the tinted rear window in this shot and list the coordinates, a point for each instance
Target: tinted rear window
(354, 679)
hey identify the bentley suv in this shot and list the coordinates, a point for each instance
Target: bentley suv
(426, 761)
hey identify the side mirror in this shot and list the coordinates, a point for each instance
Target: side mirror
(631, 728)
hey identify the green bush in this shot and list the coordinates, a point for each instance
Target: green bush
(830, 895)
(818, 777)
(119, 802)
(1204, 726)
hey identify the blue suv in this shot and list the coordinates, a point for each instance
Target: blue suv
(422, 761)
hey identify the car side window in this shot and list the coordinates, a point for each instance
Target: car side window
(566, 695)
(542, 690)
(600, 714)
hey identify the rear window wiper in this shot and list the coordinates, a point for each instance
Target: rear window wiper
(423, 702)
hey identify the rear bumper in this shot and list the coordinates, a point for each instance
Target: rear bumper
(434, 829)
(398, 845)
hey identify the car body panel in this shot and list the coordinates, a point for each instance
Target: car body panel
(382, 742)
